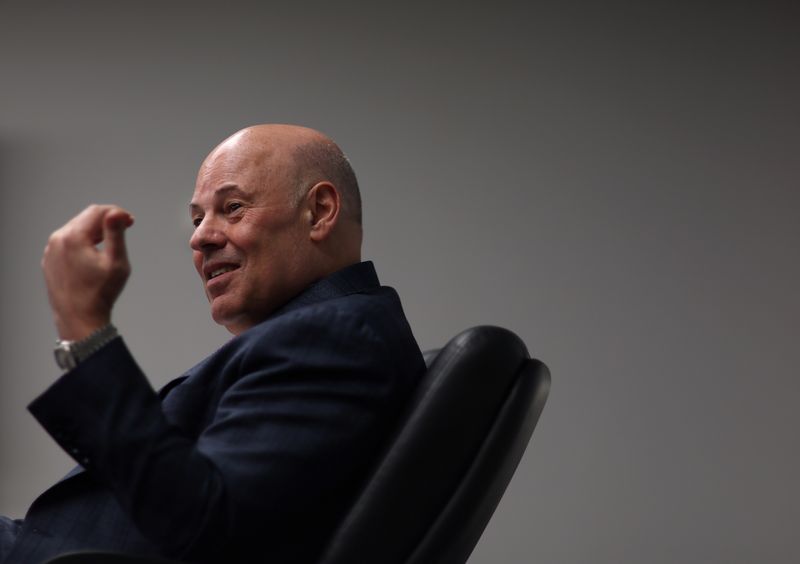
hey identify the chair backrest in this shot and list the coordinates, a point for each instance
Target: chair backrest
(442, 476)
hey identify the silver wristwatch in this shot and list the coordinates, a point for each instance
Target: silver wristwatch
(70, 353)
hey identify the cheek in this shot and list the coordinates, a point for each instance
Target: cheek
(197, 260)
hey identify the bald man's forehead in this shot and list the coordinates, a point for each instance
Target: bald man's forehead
(239, 166)
(264, 155)
(257, 170)
(241, 151)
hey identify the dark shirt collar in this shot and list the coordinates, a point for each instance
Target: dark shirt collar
(354, 279)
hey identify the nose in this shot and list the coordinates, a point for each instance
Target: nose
(207, 236)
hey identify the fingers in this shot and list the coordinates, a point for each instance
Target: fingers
(83, 281)
(115, 222)
(94, 225)
(90, 222)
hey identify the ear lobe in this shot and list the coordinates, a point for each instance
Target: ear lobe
(324, 204)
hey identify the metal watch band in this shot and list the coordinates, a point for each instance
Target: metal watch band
(70, 353)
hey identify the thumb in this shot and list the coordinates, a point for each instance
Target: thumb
(114, 225)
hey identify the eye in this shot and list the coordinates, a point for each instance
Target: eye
(196, 221)
(231, 207)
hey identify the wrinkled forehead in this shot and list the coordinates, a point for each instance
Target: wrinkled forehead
(256, 166)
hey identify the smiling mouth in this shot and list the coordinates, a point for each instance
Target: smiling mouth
(220, 271)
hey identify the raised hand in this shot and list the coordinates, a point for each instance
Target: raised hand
(83, 280)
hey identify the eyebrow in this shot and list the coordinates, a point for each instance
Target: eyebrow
(219, 192)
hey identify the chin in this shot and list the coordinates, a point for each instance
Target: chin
(236, 318)
(222, 315)
(232, 325)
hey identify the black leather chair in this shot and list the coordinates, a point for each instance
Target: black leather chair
(441, 477)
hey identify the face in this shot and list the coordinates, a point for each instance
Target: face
(250, 244)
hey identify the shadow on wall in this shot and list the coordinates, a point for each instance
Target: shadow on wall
(21, 243)
(6, 192)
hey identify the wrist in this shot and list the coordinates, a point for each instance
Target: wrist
(74, 329)
(69, 353)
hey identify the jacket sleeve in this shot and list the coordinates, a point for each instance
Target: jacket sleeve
(303, 409)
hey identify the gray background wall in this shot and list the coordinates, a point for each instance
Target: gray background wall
(618, 183)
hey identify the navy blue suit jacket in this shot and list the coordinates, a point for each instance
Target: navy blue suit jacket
(251, 456)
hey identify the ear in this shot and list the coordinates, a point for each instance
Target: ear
(324, 205)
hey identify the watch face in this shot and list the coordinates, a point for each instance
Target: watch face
(64, 357)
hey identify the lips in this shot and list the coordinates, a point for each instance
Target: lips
(219, 271)
(215, 269)
(218, 277)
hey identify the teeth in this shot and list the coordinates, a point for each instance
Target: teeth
(219, 271)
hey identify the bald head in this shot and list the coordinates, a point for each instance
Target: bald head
(275, 208)
(304, 154)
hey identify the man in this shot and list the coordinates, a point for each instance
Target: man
(254, 454)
